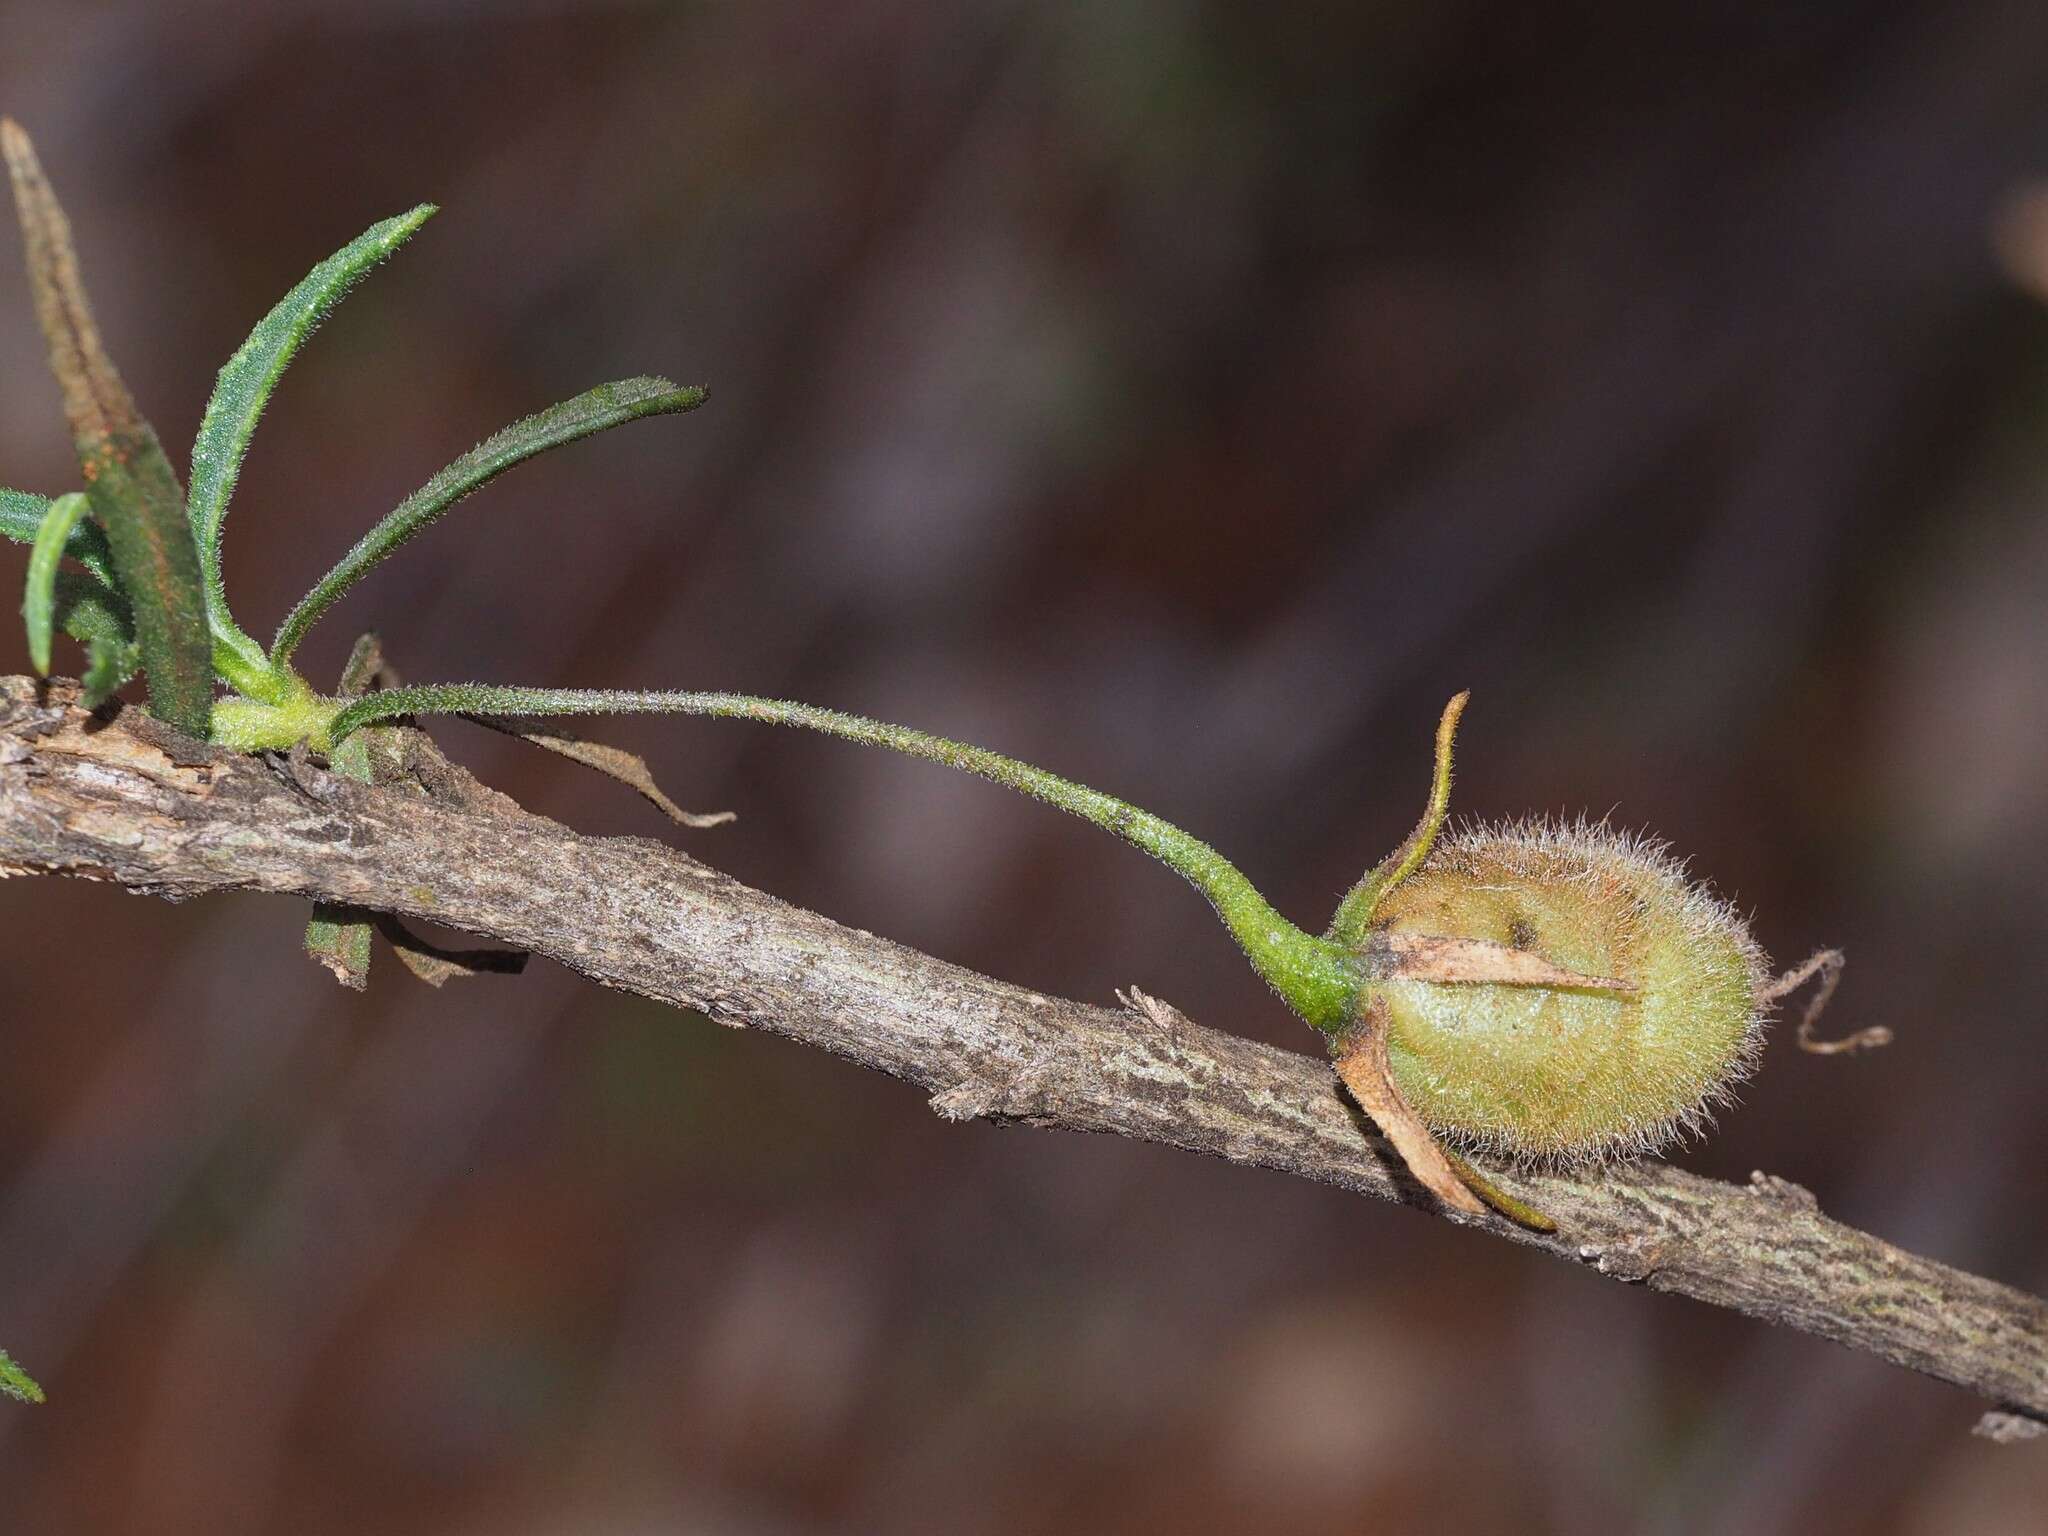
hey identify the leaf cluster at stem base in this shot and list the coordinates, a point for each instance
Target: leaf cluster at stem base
(248, 726)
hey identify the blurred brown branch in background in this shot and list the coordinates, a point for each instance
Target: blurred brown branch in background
(121, 799)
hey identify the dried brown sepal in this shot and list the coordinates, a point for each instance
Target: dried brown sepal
(1431, 957)
(629, 768)
(1361, 1060)
(1826, 964)
(365, 669)
(1363, 1066)
(435, 965)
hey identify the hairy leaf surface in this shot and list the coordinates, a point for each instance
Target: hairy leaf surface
(248, 378)
(609, 405)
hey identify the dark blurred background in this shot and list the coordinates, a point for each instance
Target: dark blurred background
(1189, 398)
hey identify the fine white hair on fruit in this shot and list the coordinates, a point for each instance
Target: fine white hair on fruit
(1559, 1076)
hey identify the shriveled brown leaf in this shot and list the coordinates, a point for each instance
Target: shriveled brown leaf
(435, 965)
(366, 669)
(629, 768)
(1827, 965)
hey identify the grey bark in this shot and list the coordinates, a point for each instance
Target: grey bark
(118, 798)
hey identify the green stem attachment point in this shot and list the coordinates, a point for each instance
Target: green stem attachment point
(277, 724)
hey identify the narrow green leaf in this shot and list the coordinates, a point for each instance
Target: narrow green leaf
(136, 497)
(21, 514)
(609, 405)
(95, 614)
(248, 378)
(109, 666)
(134, 491)
(17, 1383)
(39, 602)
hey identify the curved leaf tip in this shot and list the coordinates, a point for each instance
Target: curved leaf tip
(21, 515)
(248, 378)
(39, 603)
(595, 410)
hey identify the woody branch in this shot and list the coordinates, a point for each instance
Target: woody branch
(127, 801)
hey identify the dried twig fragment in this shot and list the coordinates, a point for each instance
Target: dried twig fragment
(1827, 964)
(629, 768)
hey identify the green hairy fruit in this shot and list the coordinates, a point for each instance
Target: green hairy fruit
(1563, 1074)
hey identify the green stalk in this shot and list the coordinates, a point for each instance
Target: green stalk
(1319, 979)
